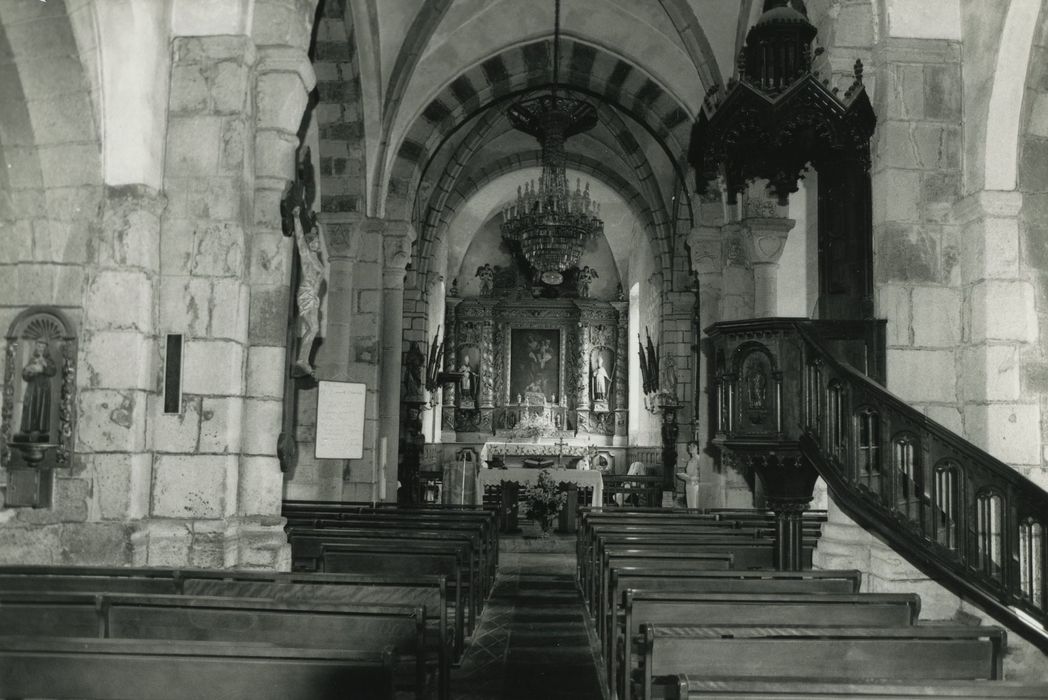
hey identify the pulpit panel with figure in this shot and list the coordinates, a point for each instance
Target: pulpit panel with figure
(39, 386)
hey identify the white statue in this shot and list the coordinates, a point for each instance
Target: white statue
(601, 380)
(669, 377)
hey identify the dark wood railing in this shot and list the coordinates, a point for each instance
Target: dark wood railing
(964, 518)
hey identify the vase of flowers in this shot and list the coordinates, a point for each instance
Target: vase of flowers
(543, 501)
(532, 426)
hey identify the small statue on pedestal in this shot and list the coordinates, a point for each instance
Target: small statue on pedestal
(486, 273)
(586, 277)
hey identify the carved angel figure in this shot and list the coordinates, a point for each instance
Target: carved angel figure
(586, 277)
(486, 273)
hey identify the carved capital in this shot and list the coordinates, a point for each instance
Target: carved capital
(397, 238)
(765, 238)
(704, 243)
(343, 239)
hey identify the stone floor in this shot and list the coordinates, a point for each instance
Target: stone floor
(532, 641)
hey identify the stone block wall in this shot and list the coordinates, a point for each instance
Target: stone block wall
(916, 179)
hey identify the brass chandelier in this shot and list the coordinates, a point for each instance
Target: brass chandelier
(550, 222)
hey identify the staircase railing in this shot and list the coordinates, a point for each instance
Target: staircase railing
(964, 518)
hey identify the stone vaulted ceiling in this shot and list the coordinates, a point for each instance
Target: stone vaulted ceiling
(437, 76)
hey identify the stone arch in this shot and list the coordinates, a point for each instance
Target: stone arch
(590, 70)
(50, 150)
(1005, 108)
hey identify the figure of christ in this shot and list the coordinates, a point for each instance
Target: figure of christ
(601, 380)
(314, 274)
(36, 402)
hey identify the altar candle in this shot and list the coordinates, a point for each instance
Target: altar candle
(382, 469)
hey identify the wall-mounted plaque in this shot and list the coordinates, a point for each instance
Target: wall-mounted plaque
(340, 420)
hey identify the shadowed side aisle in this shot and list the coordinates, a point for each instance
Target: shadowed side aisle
(532, 640)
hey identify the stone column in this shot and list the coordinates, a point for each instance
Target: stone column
(396, 253)
(343, 242)
(999, 304)
(765, 239)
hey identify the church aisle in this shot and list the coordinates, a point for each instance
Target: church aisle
(532, 641)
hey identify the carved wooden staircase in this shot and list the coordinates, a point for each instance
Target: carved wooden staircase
(796, 399)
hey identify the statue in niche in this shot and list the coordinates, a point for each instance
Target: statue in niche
(669, 378)
(757, 385)
(469, 385)
(486, 273)
(414, 362)
(586, 277)
(36, 401)
(454, 292)
(313, 262)
(600, 380)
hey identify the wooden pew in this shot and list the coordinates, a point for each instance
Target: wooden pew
(820, 653)
(130, 669)
(689, 688)
(394, 560)
(743, 582)
(484, 517)
(822, 609)
(481, 568)
(747, 553)
(223, 619)
(428, 592)
(482, 564)
(684, 561)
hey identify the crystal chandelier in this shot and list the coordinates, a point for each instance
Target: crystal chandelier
(548, 221)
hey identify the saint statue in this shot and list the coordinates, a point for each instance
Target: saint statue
(601, 380)
(468, 383)
(413, 364)
(312, 255)
(36, 401)
(669, 377)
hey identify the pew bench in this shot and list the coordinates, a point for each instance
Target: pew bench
(227, 619)
(742, 582)
(640, 606)
(690, 688)
(132, 669)
(819, 653)
(427, 592)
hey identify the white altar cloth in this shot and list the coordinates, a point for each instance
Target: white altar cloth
(530, 476)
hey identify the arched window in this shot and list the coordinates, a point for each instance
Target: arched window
(946, 504)
(868, 448)
(1031, 561)
(989, 536)
(906, 470)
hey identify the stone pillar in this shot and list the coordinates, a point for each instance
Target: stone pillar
(396, 253)
(765, 239)
(1002, 331)
(736, 292)
(343, 242)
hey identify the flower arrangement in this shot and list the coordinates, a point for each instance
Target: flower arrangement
(533, 425)
(543, 501)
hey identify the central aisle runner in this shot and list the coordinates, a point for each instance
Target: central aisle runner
(532, 641)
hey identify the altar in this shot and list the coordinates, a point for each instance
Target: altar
(584, 479)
